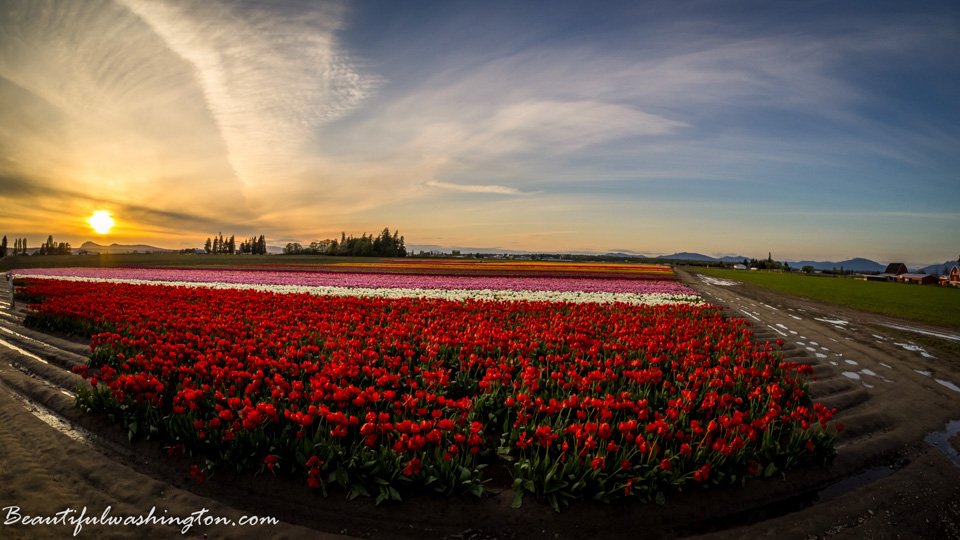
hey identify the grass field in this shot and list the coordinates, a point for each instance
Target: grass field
(926, 303)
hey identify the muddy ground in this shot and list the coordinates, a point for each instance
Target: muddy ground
(896, 475)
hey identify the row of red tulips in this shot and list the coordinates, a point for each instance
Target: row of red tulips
(603, 401)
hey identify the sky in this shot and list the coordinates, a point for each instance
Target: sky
(812, 130)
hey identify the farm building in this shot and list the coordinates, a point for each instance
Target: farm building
(920, 279)
(896, 269)
(953, 278)
(892, 273)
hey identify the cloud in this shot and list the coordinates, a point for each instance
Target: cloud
(503, 190)
(269, 77)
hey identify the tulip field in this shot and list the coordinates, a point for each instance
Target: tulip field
(562, 382)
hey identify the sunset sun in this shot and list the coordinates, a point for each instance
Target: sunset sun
(101, 222)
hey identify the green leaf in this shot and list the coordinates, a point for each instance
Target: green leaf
(768, 472)
(552, 499)
(661, 498)
(476, 490)
(341, 476)
(517, 500)
(394, 494)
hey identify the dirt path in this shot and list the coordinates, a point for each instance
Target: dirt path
(886, 481)
(892, 394)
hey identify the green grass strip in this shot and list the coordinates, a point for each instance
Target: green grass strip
(925, 303)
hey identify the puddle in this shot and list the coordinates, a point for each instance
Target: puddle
(924, 373)
(951, 337)
(852, 362)
(718, 281)
(794, 332)
(868, 372)
(832, 363)
(821, 355)
(836, 322)
(886, 366)
(802, 344)
(949, 385)
(824, 349)
(851, 483)
(867, 385)
(811, 349)
(782, 326)
(915, 348)
(941, 441)
(851, 375)
(797, 318)
(52, 420)
(879, 337)
(23, 352)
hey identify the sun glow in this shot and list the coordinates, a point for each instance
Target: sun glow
(101, 222)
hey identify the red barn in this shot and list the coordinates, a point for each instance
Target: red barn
(952, 279)
(896, 269)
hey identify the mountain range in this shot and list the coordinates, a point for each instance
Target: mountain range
(113, 249)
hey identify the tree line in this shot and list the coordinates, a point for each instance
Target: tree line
(219, 244)
(384, 245)
(768, 264)
(47, 248)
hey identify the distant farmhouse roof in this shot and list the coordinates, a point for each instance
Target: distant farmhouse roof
(896, 269)
(892, 273)
(922, 279)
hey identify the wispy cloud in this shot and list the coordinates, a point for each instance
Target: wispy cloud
(502, 190)
(269, 77)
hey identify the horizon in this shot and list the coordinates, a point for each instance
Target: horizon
(817, 131)
(447, 250)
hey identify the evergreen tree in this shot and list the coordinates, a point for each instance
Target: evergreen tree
(208, 247)
(232, 246)
(3, 247)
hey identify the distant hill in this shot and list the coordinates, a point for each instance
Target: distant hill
(93, 247)
(733, 259)
(625, 255)
(856, 265)
(938, 269)
(686, 256)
